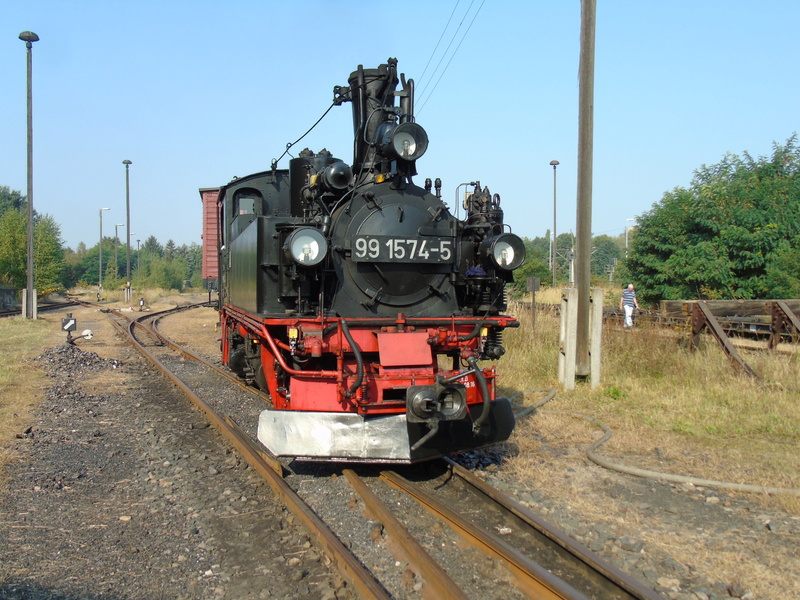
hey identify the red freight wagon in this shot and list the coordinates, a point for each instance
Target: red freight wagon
(210, 267)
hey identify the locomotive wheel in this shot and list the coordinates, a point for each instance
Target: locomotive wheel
(260, 379)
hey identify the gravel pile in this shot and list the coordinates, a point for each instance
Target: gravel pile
(67, 360)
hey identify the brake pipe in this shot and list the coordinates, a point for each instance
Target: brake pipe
(279, 357)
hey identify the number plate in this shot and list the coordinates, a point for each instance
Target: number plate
(387, 248)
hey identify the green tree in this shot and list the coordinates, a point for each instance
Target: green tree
(536, 264)
(605, 251)
(152, 247)
(48, 256)
(11, 200)
(783, 271)
(169, 250)
(14, 248)
(48, 252)
(72, 260)
(730, 234)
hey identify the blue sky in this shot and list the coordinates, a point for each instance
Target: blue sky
(197, 92)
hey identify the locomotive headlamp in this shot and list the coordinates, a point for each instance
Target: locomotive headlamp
(505, 251)
(407, 141)
(306, 246)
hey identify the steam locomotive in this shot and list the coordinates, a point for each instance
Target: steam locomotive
(359, 302)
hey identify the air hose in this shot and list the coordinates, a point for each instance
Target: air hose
(359, 360)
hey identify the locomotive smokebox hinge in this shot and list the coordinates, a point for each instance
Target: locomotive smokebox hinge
(435, 290)
(371, 201)
(373, 299)
(436, 213)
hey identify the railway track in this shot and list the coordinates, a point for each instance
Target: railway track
(40, 308)
(405, 512)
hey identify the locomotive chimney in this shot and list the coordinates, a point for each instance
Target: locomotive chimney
(377, 84)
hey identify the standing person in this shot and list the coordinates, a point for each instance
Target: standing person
(627, 303)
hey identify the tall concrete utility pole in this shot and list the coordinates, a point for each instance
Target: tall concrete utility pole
(583, 271)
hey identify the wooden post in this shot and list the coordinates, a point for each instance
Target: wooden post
(533, 287)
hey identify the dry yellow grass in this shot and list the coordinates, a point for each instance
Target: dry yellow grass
(673, 411)
(20, 381)
(661, 399)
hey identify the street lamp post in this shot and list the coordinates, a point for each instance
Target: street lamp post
(100, 261)
(116, 243)
(127, 164)
(133, 233)
(30, 304)
(554, 262)
(627, 227)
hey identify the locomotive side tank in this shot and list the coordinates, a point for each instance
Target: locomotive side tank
(359, 301)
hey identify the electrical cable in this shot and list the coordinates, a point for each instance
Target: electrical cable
(444, 54)
(275, 161)
(335, 103)
(645, 473)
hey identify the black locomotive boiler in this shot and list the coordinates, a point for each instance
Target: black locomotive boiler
(359, 301)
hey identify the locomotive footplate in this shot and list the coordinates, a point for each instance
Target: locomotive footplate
(352, 437)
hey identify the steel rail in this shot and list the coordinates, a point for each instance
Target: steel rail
(533, 580)
(615, 576)
(361, 579)
(12, 312)
(436, 579)
(191, 355)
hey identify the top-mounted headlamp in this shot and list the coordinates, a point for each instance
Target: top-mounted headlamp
(407, 141)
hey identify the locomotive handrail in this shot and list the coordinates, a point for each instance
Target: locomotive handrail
(505, 321)
(498, 321)
(285, 366)
(262, 329)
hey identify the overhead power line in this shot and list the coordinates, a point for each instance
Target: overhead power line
(425, 70)
(423, 102)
